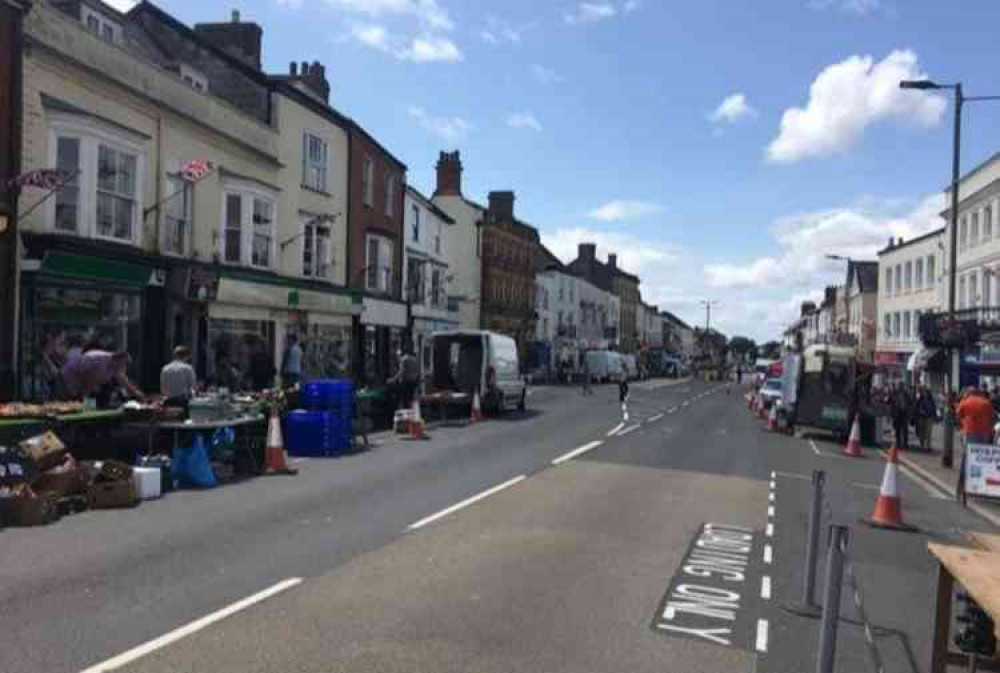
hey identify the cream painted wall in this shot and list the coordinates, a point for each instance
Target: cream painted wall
(293, 120)
(926, 298)
(464, 261)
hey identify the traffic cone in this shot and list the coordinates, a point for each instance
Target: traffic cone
(772, 419)
(853, 448)
(418, 430)
(889, 506)
(277, 461)
(476, 414)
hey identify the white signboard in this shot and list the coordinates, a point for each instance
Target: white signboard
(982, 470)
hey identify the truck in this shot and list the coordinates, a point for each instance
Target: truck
(825, 387)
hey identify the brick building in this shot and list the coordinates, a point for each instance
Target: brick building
(626, 286)
(508, 271)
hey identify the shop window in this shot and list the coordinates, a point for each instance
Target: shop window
(316, 248)
(103, 196)
(378, 264)
(248, 227)
(177, 216)
(326, 352)
(240, 353)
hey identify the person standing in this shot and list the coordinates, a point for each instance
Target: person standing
(291, 363)
(926, 417)
(177, 379)
(407, 378)
(261, 366)
(976, 417)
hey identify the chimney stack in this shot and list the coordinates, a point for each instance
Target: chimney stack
(241, 39)
(501, 204)
(449, 174)
(613, 260)
(313, 78)
(587, 251)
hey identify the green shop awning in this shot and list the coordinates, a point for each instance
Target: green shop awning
(80, 267)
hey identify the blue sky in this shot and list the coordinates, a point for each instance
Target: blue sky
(655, 128)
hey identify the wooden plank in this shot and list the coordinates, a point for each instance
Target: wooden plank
(942, 621)
(986, 541)
(977, 571)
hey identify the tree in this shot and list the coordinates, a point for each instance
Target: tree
(741, 346)
(770, 350)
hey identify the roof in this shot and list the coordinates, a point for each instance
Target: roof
(984, 164)
(544, 260)
(598, 274)
(867, 273)
(918, 239)
(674, 319)
(624, 274)
(418, 195)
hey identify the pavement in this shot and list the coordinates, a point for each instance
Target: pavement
(565, 539)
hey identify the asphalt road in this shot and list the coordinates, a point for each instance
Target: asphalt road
(567, 539)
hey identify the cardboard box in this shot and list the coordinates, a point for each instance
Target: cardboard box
(112, 494)
(67, 482)
(46, 450)
(37, 511)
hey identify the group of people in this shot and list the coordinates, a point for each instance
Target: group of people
(906, 406)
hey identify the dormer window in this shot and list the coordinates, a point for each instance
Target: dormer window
(100, 25)
(194, 78)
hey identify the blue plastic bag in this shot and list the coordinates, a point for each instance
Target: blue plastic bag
(191, 466)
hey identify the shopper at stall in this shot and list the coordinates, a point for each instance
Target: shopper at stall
(291, 363)
(261, 367)
(99, 374)
(177, 379)
(926, 417)
(407, 378)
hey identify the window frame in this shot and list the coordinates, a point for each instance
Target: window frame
(307, 221)
(380, 269)
(931, 270)
(103, 23)
(415, 222)
(320, 166)
(186, 196)
(248, 194)
(389, 208)
(194, 78)
(368, 181)
(91, 135)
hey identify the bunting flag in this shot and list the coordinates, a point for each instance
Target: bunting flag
(195, 170)
(45, 178)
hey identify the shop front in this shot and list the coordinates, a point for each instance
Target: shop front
(379, 333)
(73, 301)
(891, 367)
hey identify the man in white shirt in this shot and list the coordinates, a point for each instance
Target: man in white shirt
(177, 379)
(291, 367)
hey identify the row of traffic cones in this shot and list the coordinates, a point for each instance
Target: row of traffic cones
(417, 427)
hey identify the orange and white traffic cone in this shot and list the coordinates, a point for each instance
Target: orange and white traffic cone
(889, 506)
(853, 448)
(418, 430)
(276, 460)
(476, 413)
(772, 419)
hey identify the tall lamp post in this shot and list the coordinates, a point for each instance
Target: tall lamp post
(948, 453)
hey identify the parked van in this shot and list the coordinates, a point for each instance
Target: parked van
(477, 361)
(605, 366)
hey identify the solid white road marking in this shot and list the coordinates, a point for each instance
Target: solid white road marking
(465, 503)
(769, 531)
(792, 475)
(814, 447)
(762, 635)
(765, 587)
(193, 627)
(628, 430)
(770, 511)
(615, 429)
(768, 554)
(773, 474)
(930, 488)
(576, 452)
(654, 418)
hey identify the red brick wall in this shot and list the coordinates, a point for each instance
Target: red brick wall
(363, 219)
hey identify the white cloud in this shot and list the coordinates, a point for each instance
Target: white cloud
(614, 211)
(524, 120)
(126, 5)
(589, 12)
(428, 12)
(732, 109)
(848, 97)
(499, 31)
(630, 6)
(856, 7)
(546, 75)
(423, 49)
(449, 129)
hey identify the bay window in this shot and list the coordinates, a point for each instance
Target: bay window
(378, 263)
(316, 248)
(248, 226)
(102, 197)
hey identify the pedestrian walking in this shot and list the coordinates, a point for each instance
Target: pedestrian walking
(407, 379)
(587, 389)
(976, 416)
(902, 411)
(926, 417)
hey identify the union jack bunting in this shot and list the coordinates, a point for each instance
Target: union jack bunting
(195, 170)
(45, 178)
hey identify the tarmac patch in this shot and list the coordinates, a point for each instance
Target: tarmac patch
(712, 596)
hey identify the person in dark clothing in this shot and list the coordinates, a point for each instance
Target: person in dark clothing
(926, 416)
(261, 368)
(902, 407)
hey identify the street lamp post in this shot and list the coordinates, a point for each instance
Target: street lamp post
(948, 453)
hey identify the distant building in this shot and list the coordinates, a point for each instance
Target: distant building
(862, 300)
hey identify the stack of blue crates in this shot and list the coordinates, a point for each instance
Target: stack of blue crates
(324, 427)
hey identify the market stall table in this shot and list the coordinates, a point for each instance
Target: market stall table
(243, 423)
(977, 571)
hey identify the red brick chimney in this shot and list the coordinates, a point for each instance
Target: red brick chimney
(449, 174)
(501, 204)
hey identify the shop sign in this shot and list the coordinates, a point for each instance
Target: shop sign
(890, 358)
(982, 470)
(202, 285)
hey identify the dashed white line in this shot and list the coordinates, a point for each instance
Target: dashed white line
(465, 503)
(615, 429)
(628, 430)
(770, 511)
(191, 628)
(671, 410)
(770, 496)
(577, 451)
(773, 485)
(762, 635)
(769, 531)
(765, 587)
(768, 554)
(814, 447)
(654, 418)
(773, 474)
(685, 403)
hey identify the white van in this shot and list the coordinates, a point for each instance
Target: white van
(478, 361)
(604, 366)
